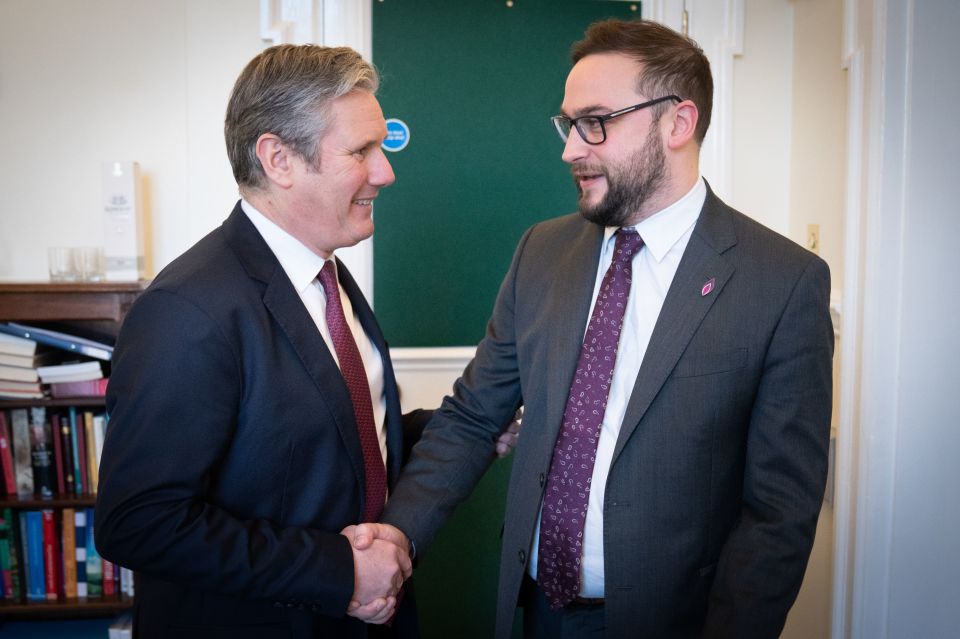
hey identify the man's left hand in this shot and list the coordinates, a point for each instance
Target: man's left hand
(508, 439)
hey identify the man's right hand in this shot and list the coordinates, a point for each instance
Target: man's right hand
(381, 564)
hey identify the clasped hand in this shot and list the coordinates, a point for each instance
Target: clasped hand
(381, 563)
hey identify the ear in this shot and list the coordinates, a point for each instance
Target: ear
(276, 159)
(684, 124)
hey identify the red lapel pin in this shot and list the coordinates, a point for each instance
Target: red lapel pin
(708, 287)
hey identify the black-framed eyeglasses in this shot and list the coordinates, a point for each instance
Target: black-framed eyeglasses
(591, 127)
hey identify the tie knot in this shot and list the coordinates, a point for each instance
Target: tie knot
(628, 243)
(328, 279)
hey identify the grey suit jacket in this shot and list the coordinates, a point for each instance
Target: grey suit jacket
(717, 477)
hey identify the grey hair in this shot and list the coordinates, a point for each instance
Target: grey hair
(287, 90)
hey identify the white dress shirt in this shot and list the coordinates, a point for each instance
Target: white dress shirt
(665, 236)
(302, 267)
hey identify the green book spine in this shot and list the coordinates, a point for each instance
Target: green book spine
(94, 565)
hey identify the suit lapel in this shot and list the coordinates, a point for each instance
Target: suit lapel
(575, 275)
(285, 306)
(683, 310)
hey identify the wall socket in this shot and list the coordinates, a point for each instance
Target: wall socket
(813, 238)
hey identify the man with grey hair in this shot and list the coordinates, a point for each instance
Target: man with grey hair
(254, 414)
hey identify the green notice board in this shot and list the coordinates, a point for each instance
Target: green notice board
(476, 82)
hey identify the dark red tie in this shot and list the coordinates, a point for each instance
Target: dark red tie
(575, 452)
(351, 367)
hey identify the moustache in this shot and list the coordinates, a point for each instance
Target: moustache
(585, 170)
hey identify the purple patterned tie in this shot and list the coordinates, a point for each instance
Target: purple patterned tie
(351, 367)
(568, 484)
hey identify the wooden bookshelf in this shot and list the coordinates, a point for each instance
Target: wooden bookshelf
(41, 301)
(86, 307)
(62, 402)
(39, 503)
(65, 608)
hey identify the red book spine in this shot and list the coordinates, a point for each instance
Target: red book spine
(50, 555)
(6, 456)
(58, 455)
(109, 589)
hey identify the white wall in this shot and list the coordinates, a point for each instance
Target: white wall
(86, 82)
(904, 518)
(762, 111)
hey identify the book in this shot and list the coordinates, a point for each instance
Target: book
(64, 341)
(14, 345)
(92, 466)
(68, 535)
(15, 385)
(51, 556)
(41, 454)
(94, 564)
(18, 374)
(32, 539)
(109, 585)
(7, 578)
(22, 461)
(80, 532)
(69, 476)
(99, 434)
(88, 388)
(41, 358)
(12, 389)
(126, 582)
(20, 394)
(6, 457)
(121, 627)
(13, 541)
(78, 485)
(71, 372)
(58, 454)
(80, 441)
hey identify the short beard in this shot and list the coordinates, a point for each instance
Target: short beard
(629, 186)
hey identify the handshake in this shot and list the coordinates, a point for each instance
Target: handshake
(381, 555)
(381, 563)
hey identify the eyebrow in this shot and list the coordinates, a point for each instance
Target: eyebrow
(593, 109)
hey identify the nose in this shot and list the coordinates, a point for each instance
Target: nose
(381, 173)
(574, 148)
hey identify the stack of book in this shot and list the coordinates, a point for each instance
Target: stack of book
(48, 555)
(18, 368)
(38, 362)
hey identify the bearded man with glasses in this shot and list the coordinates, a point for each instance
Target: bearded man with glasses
(673, 358)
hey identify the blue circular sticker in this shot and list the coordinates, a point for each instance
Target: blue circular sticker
(398, 135)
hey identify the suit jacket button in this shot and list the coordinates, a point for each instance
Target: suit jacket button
(542, 479)
(522, 555)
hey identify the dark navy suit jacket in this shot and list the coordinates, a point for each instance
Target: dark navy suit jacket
(232, 459)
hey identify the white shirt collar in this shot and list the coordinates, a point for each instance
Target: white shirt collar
(664, 228)
(299, 263)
